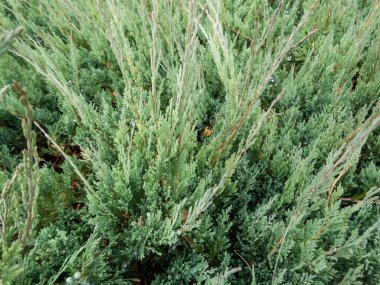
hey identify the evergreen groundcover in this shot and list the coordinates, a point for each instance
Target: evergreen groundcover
(190, 142)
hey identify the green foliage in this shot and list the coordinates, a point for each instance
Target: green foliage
(190, 142)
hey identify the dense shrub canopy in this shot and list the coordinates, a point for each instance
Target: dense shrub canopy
(190, 142)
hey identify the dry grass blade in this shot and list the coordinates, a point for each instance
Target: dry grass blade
(28, 133)
(357, 142)
(69, 160)
(7, 39)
